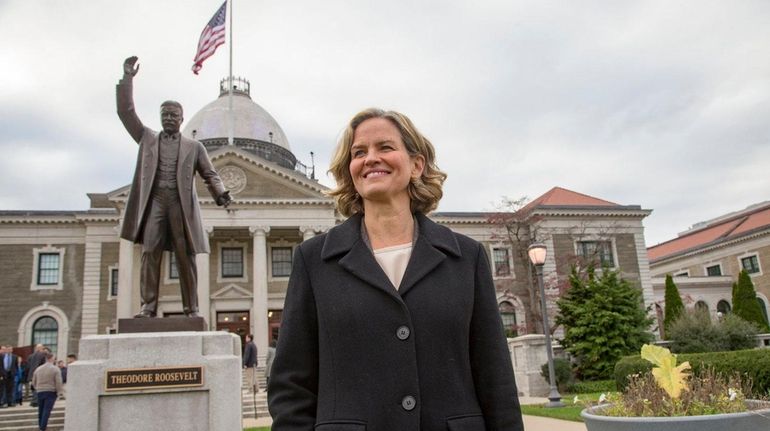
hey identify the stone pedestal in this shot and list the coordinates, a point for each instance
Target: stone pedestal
(157, 382)
(528, 356)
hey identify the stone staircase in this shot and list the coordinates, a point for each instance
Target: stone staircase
(254, 405)
(24, 417)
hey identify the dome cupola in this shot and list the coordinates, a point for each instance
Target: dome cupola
(255, 130)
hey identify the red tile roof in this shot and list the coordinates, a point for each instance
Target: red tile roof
(720, 230)
(562, 196)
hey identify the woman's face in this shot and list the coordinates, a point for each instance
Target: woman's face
(380, 166)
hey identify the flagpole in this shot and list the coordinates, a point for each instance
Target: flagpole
(231, 132)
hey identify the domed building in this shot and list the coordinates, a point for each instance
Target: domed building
(67, 274)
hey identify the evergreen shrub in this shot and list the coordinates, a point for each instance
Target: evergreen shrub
(695, 332)
(562, 369)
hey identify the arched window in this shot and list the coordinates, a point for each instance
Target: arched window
(701, 306)
(508, 314)
(724, 307)
(45, 331)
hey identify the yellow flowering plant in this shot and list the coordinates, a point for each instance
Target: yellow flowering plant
(671, 390)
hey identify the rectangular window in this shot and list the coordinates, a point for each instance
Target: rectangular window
(48, 269)
(232, 262)
(501, 262)
(173, 272)
(750, 264)
(682, 274)
(713, 270)
(281, 261)
(596, 251)
(114, 282)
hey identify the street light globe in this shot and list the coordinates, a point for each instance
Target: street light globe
(537, 253)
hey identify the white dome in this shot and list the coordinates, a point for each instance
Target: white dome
(252, 122)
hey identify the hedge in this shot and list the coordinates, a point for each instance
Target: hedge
(754, 363)
(590, 387)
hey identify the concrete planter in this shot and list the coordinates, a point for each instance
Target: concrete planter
(754, 420)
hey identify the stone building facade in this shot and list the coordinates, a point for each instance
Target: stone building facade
(706, 259)
(67, 274)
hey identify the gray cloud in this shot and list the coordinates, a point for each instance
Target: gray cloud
(661, 104)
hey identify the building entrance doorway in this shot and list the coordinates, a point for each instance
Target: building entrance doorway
(236, 322)
(274, 325)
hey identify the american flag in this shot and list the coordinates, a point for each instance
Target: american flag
(212, 36)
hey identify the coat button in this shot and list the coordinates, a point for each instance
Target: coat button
(408, 403)
(403, 332)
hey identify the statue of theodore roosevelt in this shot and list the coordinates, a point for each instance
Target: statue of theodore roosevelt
(162, 212)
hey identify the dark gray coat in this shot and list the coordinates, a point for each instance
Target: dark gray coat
(356, 354)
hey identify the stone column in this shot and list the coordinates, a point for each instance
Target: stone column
(125, 278)
(307, 232)
(204, 288)
(91, 288)
(204, 291)
(259, 275)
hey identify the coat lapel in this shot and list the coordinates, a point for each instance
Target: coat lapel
(431, 248)
(360, 262)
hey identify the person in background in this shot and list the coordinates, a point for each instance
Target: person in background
(8, 368)
(21, 376)
(47, 382)
(63, 369)
(269, 360)
(36, 359)
(250, 363)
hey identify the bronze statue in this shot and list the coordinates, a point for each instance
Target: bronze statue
(162, 212)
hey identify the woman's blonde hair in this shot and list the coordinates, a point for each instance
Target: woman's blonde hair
(424, 192)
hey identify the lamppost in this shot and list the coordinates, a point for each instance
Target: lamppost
(537, 253)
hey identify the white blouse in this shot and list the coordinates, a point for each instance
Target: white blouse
(393, 260)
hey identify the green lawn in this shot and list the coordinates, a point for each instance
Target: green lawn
(570, 412)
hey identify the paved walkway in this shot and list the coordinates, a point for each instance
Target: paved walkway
(531, 423)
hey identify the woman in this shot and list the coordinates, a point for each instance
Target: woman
(390, 321)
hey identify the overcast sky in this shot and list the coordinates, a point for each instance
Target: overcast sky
(660, 104)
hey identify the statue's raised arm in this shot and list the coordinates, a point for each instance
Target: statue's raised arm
(130, 68)
(125, 99)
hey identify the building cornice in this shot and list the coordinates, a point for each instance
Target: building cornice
(240, 203)
(630, 211)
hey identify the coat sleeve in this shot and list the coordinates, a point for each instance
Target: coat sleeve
(490, 358)
(293, 390)
(126, 109)
(206, 171)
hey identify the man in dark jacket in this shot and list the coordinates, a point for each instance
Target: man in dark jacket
(8, 369)
(35, 360)
(250, 363)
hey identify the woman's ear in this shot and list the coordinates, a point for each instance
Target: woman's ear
(418, 166)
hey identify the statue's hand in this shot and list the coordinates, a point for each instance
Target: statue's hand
(130, 68)
(224, 199)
